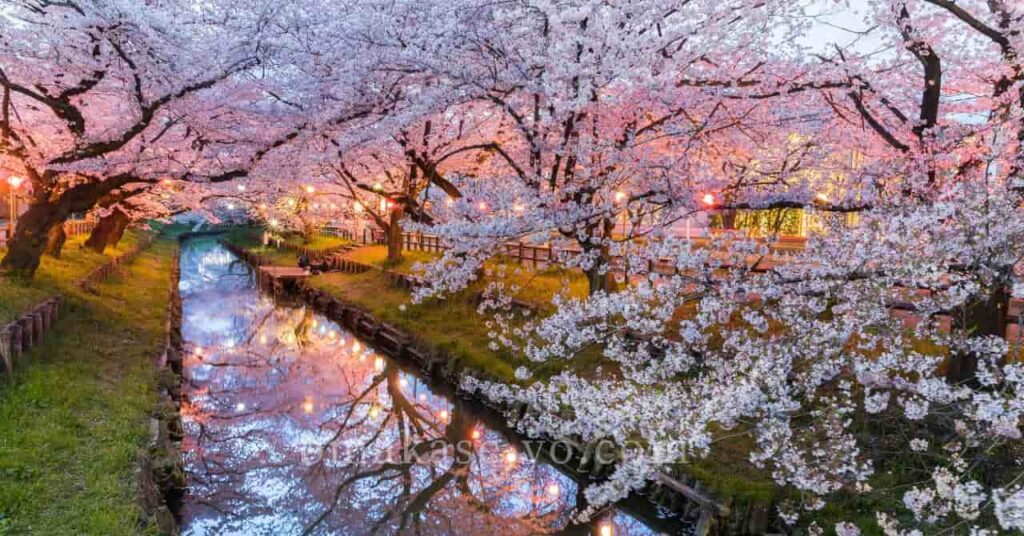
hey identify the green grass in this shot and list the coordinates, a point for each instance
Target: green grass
(451, 325)
(76, 413)
(55, 275)
(318, 243)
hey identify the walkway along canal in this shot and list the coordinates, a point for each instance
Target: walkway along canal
(294, 426)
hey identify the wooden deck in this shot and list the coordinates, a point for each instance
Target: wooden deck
(283, 272)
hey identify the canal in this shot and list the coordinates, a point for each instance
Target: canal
(294, 426)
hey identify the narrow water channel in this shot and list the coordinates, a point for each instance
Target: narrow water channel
(294, 426)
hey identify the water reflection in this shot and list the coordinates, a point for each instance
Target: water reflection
(295, 426)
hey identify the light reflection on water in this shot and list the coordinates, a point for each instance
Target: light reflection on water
(292, 425)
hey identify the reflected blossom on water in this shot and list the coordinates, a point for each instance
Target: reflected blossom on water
(293, 425)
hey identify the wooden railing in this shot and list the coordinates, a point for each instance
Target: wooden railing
(71, 228)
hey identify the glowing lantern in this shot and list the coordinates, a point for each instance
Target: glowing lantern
(307, 406)
(378, 364)
(355, 346)
(554, 490)
(476, 434)
(606, 529)
(620, 196)
(709, 199)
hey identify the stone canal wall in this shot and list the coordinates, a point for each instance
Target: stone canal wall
(677, 491)
(160, 470)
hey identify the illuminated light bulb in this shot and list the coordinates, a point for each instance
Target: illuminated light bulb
(822, 196)
(423, 397)
(332, 334)
(482, 206)
(355, 346)
(606, 529)
(357, 207)
(231, 206)
(199, 351)
(310, 189)
(476, 434)
(241, 187)
(511, 456)
(443, 415)
(450, 202)
(316, 322)
(383, 204)
(378, 186)
(240, 407)
(709, 199)
(307, 406)
(620, 196)
(374, 411)
(554, 490)
(273, 223)
(403, 382)
(378, 364)
(263, 339)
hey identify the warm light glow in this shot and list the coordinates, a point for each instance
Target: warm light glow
(423, 397)
(482, 206)
(378, 364)
(403, 383)
(709, 200)
(263, 339)
(620, 196)
(355, 346)
(443, 415)
(310, 189)
(374, 411)
(822, 196)
(517, 208)
(357, 207)
(307, 406)
(199, 350)
(273, 223)
(383, 205)
(231, 206)
(554, 489)
(511, 456)
(476, 434)
(450, 202)
(606, 529)
(378, 186)
(241, 187)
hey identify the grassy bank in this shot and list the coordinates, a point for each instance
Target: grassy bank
(77, 411)
(55, 275)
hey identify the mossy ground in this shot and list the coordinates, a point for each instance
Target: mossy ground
(76, 411)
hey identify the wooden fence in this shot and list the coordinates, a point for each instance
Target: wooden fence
(71, 228)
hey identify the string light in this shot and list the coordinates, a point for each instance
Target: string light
(709, 200)
(308, 406)
(620, 196)
(606, 529)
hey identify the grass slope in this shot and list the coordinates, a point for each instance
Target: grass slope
(77, 411)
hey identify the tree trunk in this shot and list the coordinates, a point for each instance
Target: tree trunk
(980, 318)
(599, 276)
(394, 237)
(55, 239)
(118, 233)
(30, 238)
(108, 231)
(45, 211)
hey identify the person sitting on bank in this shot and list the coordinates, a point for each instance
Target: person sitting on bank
(304, 262)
